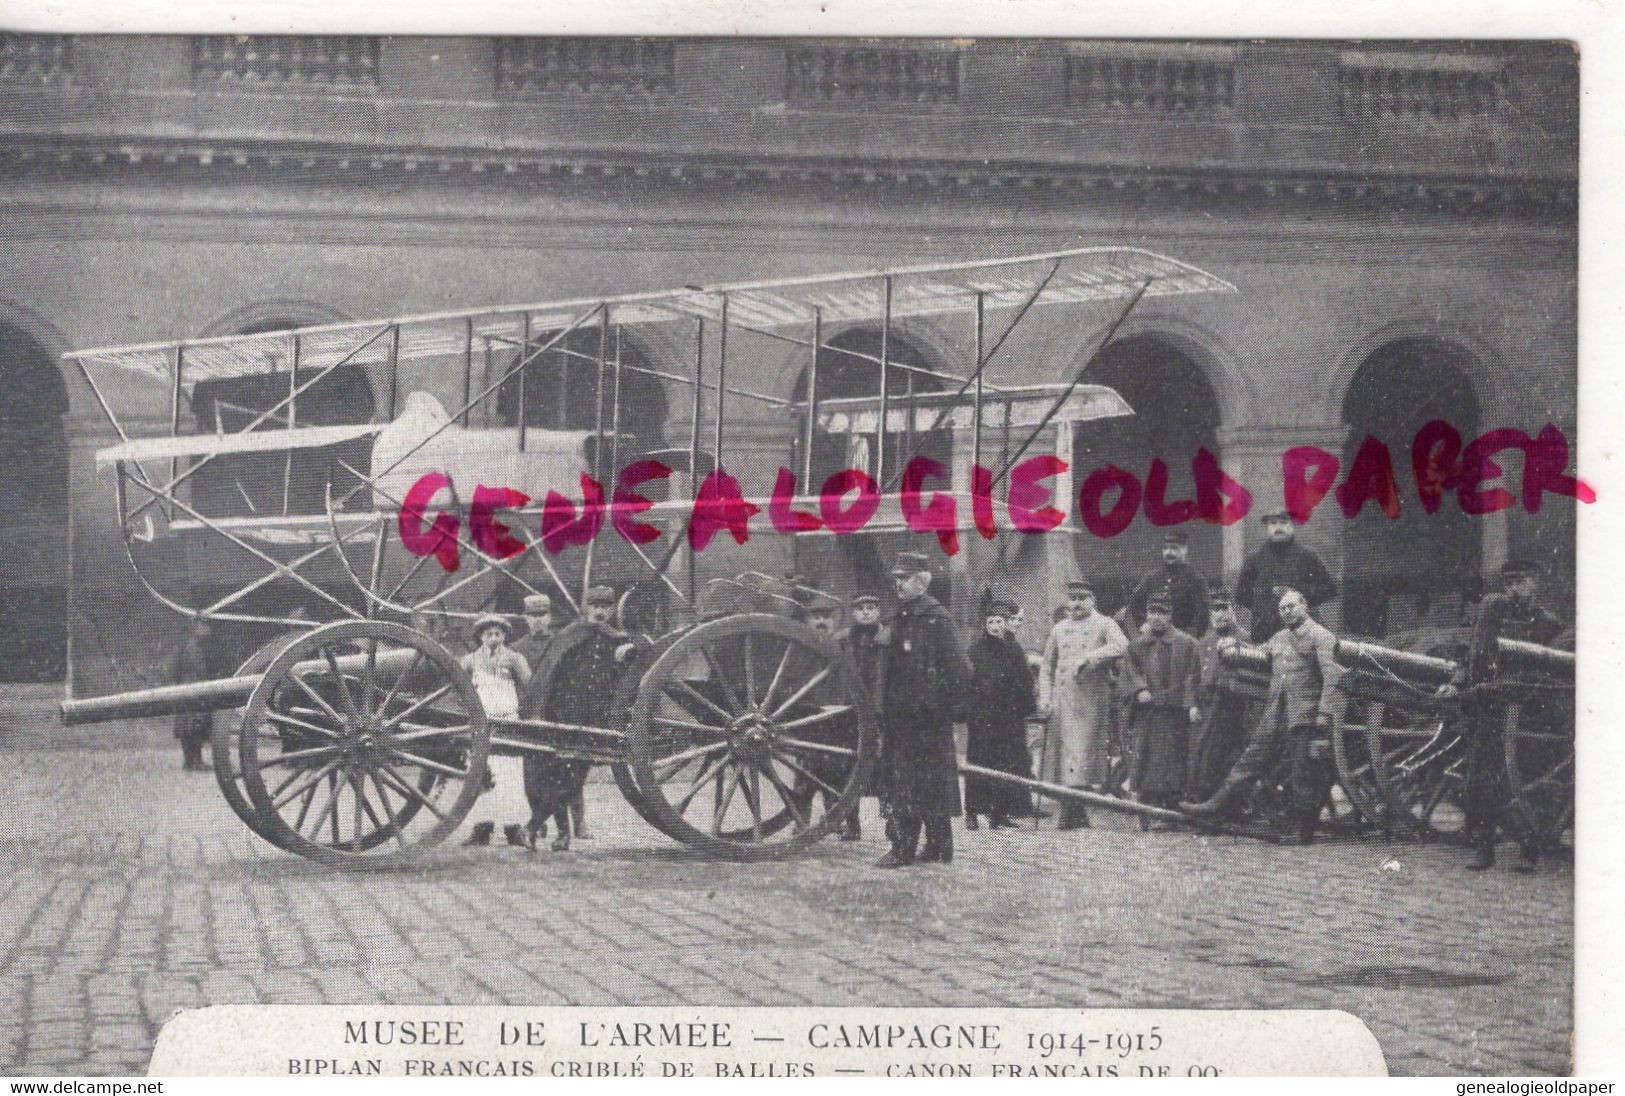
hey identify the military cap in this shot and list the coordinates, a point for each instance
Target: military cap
(601, 595)
(1175, 536)
(822, 604)
(997, 608)
(911, 563)
(536, 604)
(1009, 608)
(493, 620)
(1278, 514)
(1517, 568)
(865, 599)
(1159, 605)
(1079, 586)
(1219, 599)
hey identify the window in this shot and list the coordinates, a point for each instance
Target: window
(831, 75)
(284, 59)
(34, 58)
(1151, 83)
(626, 66)
(1424, 86)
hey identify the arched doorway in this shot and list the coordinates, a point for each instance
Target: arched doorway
(849, 368)
(1175, 414)
(561, 392)
(33, 513)
(1416, 568)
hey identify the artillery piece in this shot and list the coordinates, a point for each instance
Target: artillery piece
(1400, 750)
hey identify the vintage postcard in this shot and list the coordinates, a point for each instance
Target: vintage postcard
(588, 556)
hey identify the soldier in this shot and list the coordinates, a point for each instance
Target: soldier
(821, 613)
(1303, 674)
(1515, 614)
(1223, 732)
(1075, 695)
(924, 684)
(538, 610)
(581, 667)
(1161, 673)
(998, 700)
(1280, 563)
(191, 663)
(1176, 582)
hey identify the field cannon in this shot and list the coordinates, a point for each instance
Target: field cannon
(1399, 747)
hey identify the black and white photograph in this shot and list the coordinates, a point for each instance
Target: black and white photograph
(985, 524)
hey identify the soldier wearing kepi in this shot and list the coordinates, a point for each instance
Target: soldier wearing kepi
(822, 616)
(539, 618)
(1075, 695)
(1223, 732)
(1303, 675)
(1280, 563)
(1160, 674)
(1514, 614)
(1177, 583)
(924, 684)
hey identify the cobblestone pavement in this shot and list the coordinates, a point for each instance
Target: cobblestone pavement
(128, 890)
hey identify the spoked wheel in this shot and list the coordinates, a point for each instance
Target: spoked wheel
(1419, 760)
(752, 736)
(228, 772)
(363, 745)
(1539, 739)
(1355, 774)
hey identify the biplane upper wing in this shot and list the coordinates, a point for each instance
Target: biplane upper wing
(1077, 275)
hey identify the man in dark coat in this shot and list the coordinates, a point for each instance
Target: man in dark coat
(1303, 680)
(821, 613)
(1175, 582)
(925, 676)
(189, 664)
(1281, 563)
(1514, 614)
(1161, 668)
(580, 667)
(1223, 731)
(998, 699)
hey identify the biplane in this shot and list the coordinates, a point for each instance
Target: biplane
(361, 741)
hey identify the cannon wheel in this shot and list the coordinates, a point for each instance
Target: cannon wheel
(1540, 772)
(1350, 751)
(739, 729)
(1420, 764)
(383, 746)
(228, 771)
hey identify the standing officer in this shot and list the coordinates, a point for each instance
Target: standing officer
(1303, 673)
(1075, 695)
(1177, 583)
(1512, 613)
(1160, 674)
(191, 663)
(1223, 733)
(1280, 563)
(924, 685)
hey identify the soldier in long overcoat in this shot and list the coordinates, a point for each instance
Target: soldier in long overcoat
(1223, 731)
(1297, 714)
(997, 703)
(1161, 672)
(925, 679)
(580, 669)
(1075, 694)
(1513, 613)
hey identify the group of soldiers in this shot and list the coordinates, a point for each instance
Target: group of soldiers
(1150, 686)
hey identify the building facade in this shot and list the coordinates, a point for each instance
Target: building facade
(1399, 220)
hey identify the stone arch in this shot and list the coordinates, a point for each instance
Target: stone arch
(1234, 388)
(1177, 413)
(273, 315)
(1414, 567)
(33, 510)
(1491, 367)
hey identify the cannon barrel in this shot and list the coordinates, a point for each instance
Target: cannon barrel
(1520, 654)
(1361, 655)
(219, 694)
